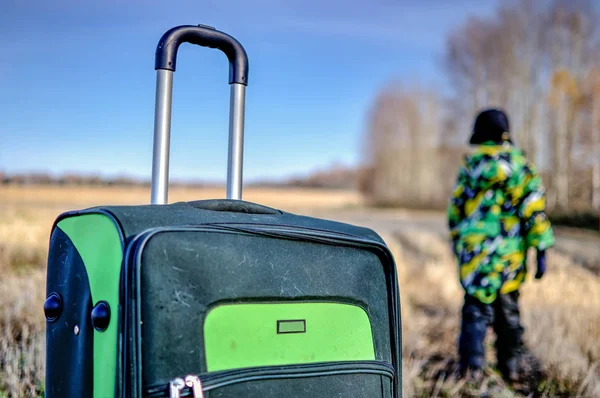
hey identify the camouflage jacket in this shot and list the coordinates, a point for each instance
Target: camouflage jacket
(496, 213)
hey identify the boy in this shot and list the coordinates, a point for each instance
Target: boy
(496, 213)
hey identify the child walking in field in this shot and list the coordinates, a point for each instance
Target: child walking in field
(496, 213)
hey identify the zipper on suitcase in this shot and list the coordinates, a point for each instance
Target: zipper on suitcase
(177, 385)
(197, 385)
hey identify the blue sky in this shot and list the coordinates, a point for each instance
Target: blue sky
(77, 80)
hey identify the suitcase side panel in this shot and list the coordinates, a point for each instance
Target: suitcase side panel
(87, 249)
(68, 373)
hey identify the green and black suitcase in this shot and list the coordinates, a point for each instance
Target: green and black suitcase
(217, 298)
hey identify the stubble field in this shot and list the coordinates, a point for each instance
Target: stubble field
(561, 313)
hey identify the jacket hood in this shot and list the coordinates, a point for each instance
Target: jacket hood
(492, 165)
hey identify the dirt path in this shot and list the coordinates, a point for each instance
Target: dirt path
(582, 246)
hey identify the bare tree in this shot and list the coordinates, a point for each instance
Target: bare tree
(402, 138)
(595, 147)
(537, 59)
(528, 51)
(497, 62)
(573, 34)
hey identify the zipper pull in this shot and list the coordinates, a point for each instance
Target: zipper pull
(176, 386)
(195, 384)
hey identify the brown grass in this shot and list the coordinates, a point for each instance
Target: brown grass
(60, 197)
(22, 342)
(561, 313)
(26, 217)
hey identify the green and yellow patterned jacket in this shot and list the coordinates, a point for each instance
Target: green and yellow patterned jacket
(496, 213)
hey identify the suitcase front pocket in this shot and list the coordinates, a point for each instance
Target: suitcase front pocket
(352, 379)
(249, 335)
(208, 300)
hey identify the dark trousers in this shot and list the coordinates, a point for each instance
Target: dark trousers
(503, 315)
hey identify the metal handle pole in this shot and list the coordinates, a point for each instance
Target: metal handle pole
(165, 62)
(235, 158)
(162, 136)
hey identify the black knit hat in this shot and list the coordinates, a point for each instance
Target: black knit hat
(491, 125)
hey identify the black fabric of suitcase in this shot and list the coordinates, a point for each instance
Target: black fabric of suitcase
(184, 260)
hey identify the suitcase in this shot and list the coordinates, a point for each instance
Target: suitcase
(217, 298)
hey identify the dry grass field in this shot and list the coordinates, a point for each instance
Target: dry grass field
(561, 313)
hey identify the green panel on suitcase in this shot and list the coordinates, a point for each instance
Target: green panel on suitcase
(250, 335)
(98, 242)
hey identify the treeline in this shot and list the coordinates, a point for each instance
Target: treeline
(89, 180)
(334, 177)
(67, 179)
(540, 61)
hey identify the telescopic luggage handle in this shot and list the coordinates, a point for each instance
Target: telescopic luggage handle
(166, 58)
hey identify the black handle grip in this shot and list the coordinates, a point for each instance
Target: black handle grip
(166, 51)
(236, 206)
